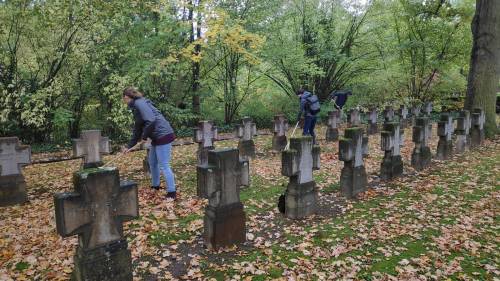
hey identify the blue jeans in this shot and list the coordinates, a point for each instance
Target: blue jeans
(309, 124)
(159, 159)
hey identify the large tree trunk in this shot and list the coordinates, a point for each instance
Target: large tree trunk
(484, 75)
(195, 65)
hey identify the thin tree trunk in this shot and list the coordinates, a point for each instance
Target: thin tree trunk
(484, 74)
(196, 65)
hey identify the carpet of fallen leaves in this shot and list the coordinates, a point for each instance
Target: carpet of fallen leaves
(432, 225)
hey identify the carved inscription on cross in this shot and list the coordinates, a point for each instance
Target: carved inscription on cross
(300, 160)
(351, 147)
(247, 130)
(422, 131)
(445, 126)
(205, 135)
(97, 208)
(13, 156)
(391, 139)
(91, 145)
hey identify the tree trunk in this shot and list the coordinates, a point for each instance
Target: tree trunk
(484, 74)
(195, 65)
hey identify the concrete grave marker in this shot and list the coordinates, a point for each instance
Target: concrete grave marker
(445, 132)
(332, 130)
(95, 211)
(353, 179)
(388, 114)
(245, 132)
(279, 132)
(372, 122)
(427, 109)
(463, 131)
(13, 156)
(91, 146)
(354, 118)
(421, 156)
(403, 117)
(205, 135)
(477, 129)
(298, 163)
(415, 113)
(224, 222)
(392, 164)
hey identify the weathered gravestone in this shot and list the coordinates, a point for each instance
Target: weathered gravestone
(298, 163)
(354, 118)
(463, 131)
(245, 132)
(332, 130)
(427, 109)
(415, 113)
(421, 156)
(224, 222)
(388, 114)
(392, 164)
(353, 179)
(477, 129)
(12, 184)
(280, 129)
(96, 211)
(372, 122)
(205, 135)
(91, 145)
(403, 117)
(445, 132)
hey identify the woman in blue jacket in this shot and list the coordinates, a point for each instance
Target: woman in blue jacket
(150, 123)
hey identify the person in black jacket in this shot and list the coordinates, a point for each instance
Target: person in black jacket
(150, 123)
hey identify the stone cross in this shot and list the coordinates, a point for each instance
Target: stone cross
(13, 156)
(427, 108)
(245, 132)
(298, 163)
(353, 179)
(280, 129)
(421, 156)
(445, 132)
(91, 145)
(354, 118)
(403, 116)
(388, 114)
(372, 122)
(96, 211)
(415, 112)
(392, 164)
(463, 131)
(205, 135)
(224, 222)
(332, 130)
(477, 129)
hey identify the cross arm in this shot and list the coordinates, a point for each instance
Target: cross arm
(72, 213)
(127, 202)
(289, 163)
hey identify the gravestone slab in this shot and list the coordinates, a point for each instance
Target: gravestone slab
(279, 132)
(388, 114)
(245, 132)
(421, 156)
(372, 122)
(95, 212)
(427, 109)
(415, 113)
(332, 130)
(445, 132)
(463, 131)
(353, 179)
(205, 135)
(403, 117)
(224, 222)
(298, 163)
(13, 156)
(354, 118)
(91, 145)
(392, 164)
(477, 129)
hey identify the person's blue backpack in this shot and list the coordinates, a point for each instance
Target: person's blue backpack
(312, 104)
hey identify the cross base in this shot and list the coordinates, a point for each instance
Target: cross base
(372, 128)
(301, 200)
(332, 134)
(224, 226)
(279, 143)
(110, 262)
(246, 148)
(391, 167)
(444, 149)
(477, 137)
(421, 158)
(353, 180)
(12, 190)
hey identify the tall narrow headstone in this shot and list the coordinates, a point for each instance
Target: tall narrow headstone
(421, 156)
(372, 122)
(415, 113)
(279, 134)
(298, 163)
(427, 109)
(477, 129)
(392, 164)
(13, 156)
(332, 130)
(354, 118)
(245, 132)
(445, 132)
(91, 145)
(353, 179)
(95, 211)
(403, 116)
(224, 222)
(463, 131)
(205, 135)
(388, 114)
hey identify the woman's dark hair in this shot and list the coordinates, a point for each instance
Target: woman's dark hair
(300, 91)
(132, 93)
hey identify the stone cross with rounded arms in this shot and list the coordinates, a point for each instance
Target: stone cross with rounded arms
(91, 145)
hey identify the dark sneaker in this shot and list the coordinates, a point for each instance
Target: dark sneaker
(155, 187)
(172, 195)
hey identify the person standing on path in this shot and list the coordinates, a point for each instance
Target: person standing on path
(310, 107)
(150, 123)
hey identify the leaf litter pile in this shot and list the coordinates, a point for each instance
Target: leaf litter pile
(441, 223)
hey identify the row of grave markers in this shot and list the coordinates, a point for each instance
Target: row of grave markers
(100, 202)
